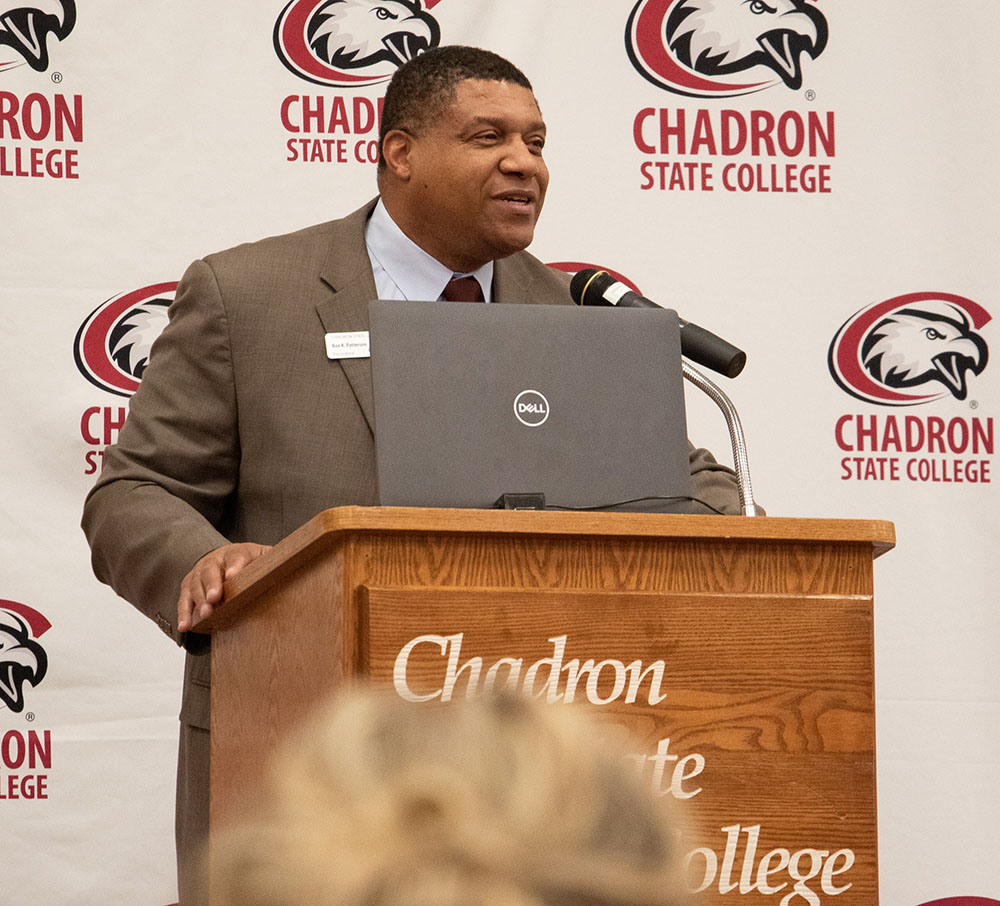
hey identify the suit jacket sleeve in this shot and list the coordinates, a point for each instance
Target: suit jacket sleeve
(713, 484)
(163, 490)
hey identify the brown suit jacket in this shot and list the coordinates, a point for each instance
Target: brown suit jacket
(242, 429)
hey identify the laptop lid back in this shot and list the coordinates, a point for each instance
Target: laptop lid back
(584, 405)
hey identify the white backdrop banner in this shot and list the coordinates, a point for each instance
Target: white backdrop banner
(822, 195)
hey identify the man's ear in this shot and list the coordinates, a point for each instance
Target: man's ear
(396, 147)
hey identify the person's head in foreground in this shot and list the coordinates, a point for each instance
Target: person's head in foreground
(489, 802)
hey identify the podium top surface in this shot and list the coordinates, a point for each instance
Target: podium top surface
(881, 534)
(332, 525)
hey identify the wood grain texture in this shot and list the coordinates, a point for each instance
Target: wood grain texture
(320, 533)
(266, 675)
(764, 627)
(774, 692)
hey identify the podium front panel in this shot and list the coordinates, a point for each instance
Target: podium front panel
(737, 651)
(756, 714)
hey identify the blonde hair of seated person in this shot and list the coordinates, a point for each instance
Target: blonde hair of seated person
(496, 801)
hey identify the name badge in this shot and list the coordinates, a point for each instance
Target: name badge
(351, 344)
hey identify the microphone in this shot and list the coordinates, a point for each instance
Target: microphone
(596, 287)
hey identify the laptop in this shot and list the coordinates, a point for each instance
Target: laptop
(583, 405)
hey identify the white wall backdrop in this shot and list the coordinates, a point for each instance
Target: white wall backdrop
(153, 134)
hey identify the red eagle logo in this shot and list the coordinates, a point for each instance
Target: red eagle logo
(26, 28)
(352, 42)
(113, 344)
(22, 659)
(696, 47)
(910, 349)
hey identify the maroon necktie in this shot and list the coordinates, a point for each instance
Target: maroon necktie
(463, 289)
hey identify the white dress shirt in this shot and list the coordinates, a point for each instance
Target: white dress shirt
(403, 270)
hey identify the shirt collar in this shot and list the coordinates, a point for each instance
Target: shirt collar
(415, 274)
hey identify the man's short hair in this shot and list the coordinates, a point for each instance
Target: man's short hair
(423, 87)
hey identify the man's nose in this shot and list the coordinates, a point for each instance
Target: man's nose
(519, 158)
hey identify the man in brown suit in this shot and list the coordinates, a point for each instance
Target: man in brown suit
(243, 429)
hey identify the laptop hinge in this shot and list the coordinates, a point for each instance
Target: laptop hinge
(520, 502)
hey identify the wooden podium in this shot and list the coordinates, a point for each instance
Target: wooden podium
(738, 650)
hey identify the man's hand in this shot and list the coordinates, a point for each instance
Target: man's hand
(201, 588)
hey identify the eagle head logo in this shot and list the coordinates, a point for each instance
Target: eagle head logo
(132, 337)
(353, 34)
(720, 37)
(22, 659)
(695, 47)
(26, 27)
(916, 345)
(897, 352)
(112, 345)
(352, 42)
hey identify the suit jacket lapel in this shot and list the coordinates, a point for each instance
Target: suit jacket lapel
(348, 274)
(515, 282)
(510, 281)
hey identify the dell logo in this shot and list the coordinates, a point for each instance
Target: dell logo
(531, 408)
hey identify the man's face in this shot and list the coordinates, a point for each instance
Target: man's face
(476, 177)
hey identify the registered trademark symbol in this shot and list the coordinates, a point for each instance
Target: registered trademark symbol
(30, 716)
(57, 77)
(810, 95)
(973, 404)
